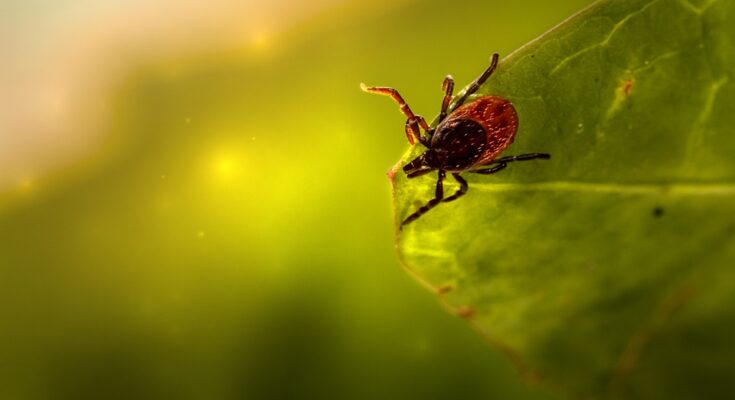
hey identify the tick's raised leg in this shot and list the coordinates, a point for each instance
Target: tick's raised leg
(502, 163)
(448, 88)
(459, 193)
(438, 196)
(405, 109)
(479, 81)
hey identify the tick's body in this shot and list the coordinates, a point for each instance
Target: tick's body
(474, 134)
(467, 139)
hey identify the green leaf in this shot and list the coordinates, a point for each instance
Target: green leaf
(609, 270)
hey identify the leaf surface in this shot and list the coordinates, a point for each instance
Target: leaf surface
(609, 269)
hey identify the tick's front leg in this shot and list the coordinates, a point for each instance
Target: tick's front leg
(405, 109)
(412, 130)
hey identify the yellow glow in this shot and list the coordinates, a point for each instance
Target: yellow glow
(259, 40)
(26, 183)
(226, 166)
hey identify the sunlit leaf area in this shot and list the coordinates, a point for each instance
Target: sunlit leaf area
(194, 202)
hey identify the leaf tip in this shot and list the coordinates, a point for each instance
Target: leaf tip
(393, 171)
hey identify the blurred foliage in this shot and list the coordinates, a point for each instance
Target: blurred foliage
(607, 270)
(234, 239)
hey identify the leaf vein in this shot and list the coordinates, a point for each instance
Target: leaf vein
(697, 10)
(605, 41)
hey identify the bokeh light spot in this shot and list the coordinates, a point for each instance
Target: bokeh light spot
(259, 40)
(26, 183)
(226, 166)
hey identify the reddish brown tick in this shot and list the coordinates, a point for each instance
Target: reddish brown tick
(467, 137)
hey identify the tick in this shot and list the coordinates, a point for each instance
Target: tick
(467, 137)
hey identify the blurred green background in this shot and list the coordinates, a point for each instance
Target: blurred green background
(229, 235)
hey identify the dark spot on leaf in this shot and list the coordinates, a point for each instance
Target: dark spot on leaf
(658, 212)
(465, 312)
(444, 289)
(627, 87)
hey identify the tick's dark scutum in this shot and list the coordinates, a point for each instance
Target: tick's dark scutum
(458, 144)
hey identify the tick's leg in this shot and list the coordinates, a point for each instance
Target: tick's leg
(459, 193)
(418, 173)
(479, 81)
(438, 195)
(448, 88)
(412, 130)
(405, 109)
(522, 157)
(502, 163)
(491, 170)
(424, 125)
